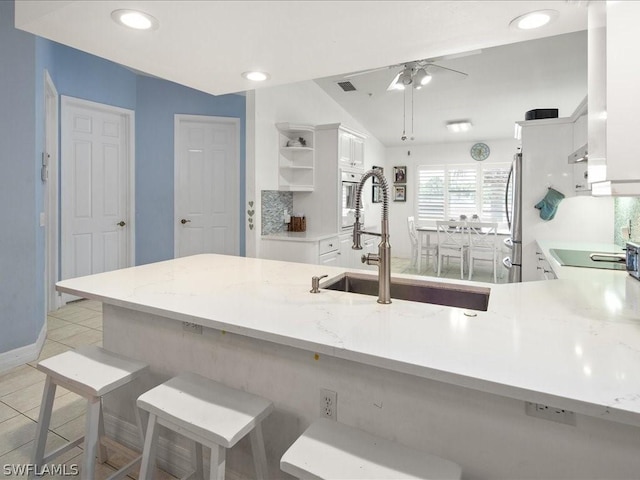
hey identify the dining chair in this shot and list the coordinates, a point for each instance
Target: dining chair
(453, 241)
(483, 245)
(419, 249)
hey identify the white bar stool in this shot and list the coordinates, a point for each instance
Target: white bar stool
(91, 372)
(210, 414)
(331, 450)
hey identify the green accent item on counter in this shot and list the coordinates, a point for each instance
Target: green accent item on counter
(549, 204)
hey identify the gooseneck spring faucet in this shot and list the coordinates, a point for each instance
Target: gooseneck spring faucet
(383, 258)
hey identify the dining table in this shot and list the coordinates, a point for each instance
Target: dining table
(427, 235)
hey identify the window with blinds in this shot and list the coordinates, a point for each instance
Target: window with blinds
(448, 191)
(431, 193)
(494, 182)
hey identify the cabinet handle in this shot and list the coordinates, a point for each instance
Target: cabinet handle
(331, 244)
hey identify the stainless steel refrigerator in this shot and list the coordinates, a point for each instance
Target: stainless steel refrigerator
(513, 207)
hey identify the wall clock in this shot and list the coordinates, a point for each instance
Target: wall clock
(480, 151)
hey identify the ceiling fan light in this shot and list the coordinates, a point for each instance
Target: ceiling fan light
(421, 78)
(395, 85)
(405, 77)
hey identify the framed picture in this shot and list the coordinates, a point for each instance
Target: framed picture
(377, 194)
(400, 174)
(375, 179)
(399, 193)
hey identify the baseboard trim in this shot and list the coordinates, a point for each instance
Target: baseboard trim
(21, 355)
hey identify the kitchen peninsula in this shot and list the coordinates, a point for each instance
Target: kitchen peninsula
(428, 376)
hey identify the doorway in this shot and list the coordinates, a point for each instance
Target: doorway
(49, 175)
(97, 188)
(207, 186)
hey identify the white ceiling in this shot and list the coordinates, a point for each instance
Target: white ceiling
(502, 84)
(206, 45)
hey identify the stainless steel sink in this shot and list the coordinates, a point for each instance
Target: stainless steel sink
(449, 294)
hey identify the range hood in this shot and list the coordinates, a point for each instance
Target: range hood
(580, 155)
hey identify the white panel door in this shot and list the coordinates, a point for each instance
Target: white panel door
(207, 187)
(95, 188)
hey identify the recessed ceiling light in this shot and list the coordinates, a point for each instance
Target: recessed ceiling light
(256, 76)
(532, 20)
(135, 19)
(458, 126)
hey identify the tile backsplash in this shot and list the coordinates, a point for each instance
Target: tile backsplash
(274, 203)
(626, 211)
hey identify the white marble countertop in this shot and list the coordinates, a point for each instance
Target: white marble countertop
(572, 343)
(308, 236)
(580, 274)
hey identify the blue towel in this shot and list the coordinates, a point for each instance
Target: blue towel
(549, 204)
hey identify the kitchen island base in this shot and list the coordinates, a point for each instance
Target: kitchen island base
(490, 436)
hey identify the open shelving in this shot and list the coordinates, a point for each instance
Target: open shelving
(296, 159)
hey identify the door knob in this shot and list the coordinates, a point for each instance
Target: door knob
(121, 223)
(184, 220)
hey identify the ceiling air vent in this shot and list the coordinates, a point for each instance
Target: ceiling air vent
(347, 86)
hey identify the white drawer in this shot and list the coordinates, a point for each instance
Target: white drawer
(544, 269)
(329, 245)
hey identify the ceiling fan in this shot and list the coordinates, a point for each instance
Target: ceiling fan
(416, 73)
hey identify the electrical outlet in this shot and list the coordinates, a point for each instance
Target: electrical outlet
(192, 328)
(550, 413)
(328, 404)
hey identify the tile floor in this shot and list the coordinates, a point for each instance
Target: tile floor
(80, 323)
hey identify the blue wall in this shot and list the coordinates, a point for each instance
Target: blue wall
(78, 74)
(21, 311)
(157, 103)
(23, 59)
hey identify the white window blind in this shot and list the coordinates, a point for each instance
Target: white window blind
(431, 193)
(494, 181)
(461, 192)
(448, 191)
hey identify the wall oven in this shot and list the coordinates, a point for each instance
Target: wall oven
(350, 181)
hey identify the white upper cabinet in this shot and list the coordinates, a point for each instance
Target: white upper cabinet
(580, 173)
(350, 149)
(296, 159)
(614, 97)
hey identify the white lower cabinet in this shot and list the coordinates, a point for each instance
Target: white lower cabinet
(324, 252)
(350, 258)
(346, 242)
(332, 259)
(335, 251)
(329, 251)
(543, 268)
